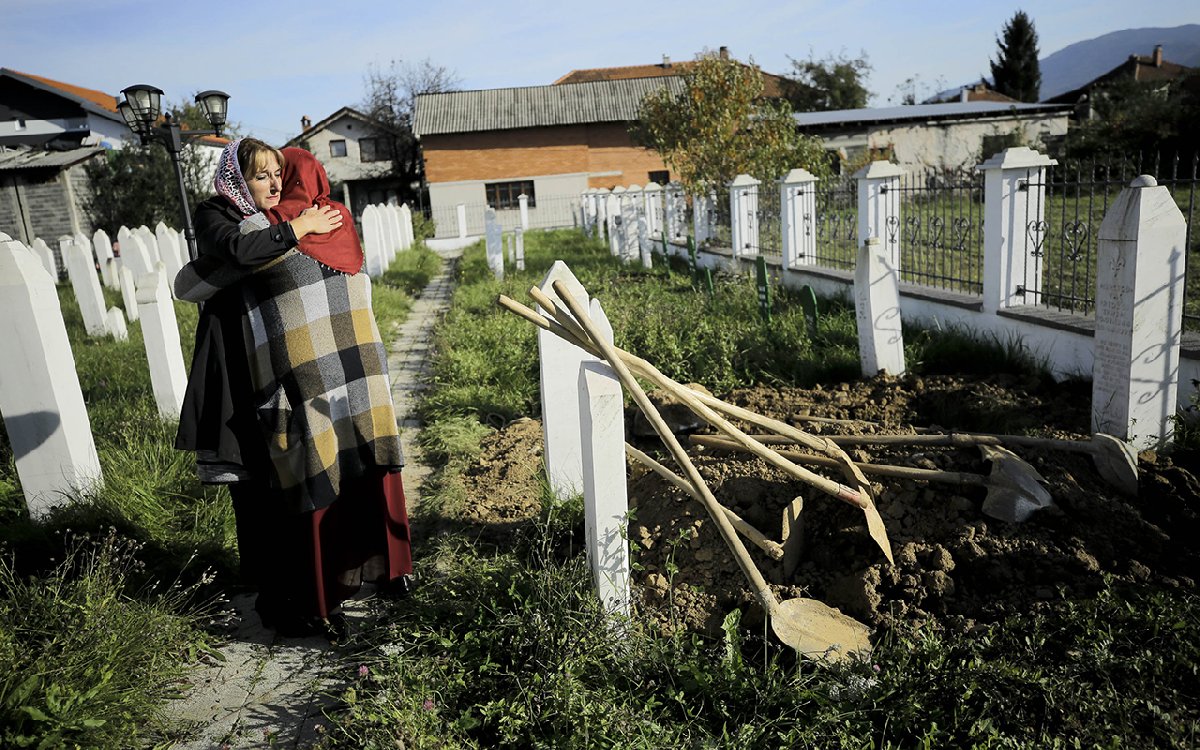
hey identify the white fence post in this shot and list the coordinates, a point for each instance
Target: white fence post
(1140, 282)
(879, 206)
(519, 242)
(40, 399)
(523, 205)
(612, 212)
(605, 491)
(160, 330)
(1014, 197)
(743, 215)
(798, 212)
(559, 364)
(877, 309)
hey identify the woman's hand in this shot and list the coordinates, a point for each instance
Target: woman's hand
(316, 221)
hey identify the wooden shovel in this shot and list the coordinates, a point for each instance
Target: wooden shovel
(859, 497)
(812, 628)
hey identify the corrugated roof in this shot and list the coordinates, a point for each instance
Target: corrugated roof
(37, 159)
(773, 85)
(953, 110)
(536, 106)
(91, 99)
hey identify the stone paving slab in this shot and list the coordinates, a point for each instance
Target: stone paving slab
(270, 692)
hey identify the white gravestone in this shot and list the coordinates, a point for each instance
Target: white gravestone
(523, 205)
(185, 254)
(629, 201)
(559, 365)
(160, 330)
(877, 308)
(128, 292)
(40, 399)
(116, 324)
(406, 226)
(519, 242)
(169, 251)
(462, 220)
(46, 256)
(393, 217)
(150, 242)
(388, 232)
(612, 213)
(104, 258)
(509, 251)
(605, 491)
(1140, 281)
(644, 245)
(86, 285)
(373, 241)
(495, 253)
(134, 253)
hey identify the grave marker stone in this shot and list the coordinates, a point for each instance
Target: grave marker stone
(373, 241)
(104, 258)
(128, 292)
(169, 250)
(877, 309)
(495, 253)
(520, 243)
(559, 366)
(46, 256)
(40, 398)
(160, 331)
(116, 324)
(86, 285)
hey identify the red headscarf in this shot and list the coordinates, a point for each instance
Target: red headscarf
(305, 184)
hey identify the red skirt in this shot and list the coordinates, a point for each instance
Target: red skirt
(309, 563)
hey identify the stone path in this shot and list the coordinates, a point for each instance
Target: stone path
(270, 692)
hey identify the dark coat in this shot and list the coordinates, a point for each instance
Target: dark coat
(218, 412)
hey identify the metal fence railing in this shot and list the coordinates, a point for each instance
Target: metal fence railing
(835, 223)
(940, 228)
(550, 212)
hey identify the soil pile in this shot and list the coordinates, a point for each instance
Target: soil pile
(954, 566)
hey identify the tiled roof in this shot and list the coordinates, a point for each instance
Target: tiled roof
(99, 99)
(536, 106)
(773, 85)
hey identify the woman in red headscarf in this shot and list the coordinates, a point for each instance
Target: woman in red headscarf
(316, 481)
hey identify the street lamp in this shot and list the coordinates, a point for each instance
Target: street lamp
(142, 108)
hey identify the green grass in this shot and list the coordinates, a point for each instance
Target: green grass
(504, 646)
(102, 602)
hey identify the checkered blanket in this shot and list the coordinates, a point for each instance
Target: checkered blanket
(319, 371)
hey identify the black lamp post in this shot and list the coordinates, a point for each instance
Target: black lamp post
(141, 109)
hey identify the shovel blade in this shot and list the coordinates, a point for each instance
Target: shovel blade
(1014, 487)
(818, 631)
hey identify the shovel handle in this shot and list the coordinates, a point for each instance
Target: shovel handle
(680, 455)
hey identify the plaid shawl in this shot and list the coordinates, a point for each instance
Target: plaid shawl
(319, 371)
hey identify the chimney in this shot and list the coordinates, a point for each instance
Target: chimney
(964, 95)
(305, 123)
(1158, 55)
(724, 53)
(666, 63)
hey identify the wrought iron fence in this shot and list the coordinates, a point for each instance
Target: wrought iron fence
(722, 227)
(1078, 195)
(770, 225)
(550, 212)
(835, 223)
(940, 228)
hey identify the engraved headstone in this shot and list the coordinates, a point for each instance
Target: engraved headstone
(877, 310)
(559, 365)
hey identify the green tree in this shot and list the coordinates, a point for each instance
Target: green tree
(1015, 72)
(136, 185)
(837, 82)
(721, 126)
(1139, 117)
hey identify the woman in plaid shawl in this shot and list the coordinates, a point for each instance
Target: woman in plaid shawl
(289, 400)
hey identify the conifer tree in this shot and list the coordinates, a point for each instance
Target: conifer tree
(1016, 73)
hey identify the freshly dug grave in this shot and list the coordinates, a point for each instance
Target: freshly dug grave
(954, 566)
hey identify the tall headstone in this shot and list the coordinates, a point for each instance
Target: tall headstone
(150, 242)
(605, 493)
(134, 252)
(492, 233)
(519, 242)
(523, 204)
(168, 249)
(406, 226)
(462, 220)
(645, 247)
(104, 258)
(629, 222)
(390, 239)
(560, 364)
(1140, 281)
(116, 324)
(46, 256)
(86, 285)
(40, 398)
(373, 241)
(128, 291)
(160, 331)
(612, 212)
(877, 309)
(393, 216)
(510, 251)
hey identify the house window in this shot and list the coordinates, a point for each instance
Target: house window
(368, 149)
(337, 148)
(506, 194)
(660, 176)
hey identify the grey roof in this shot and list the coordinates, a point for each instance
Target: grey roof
(536, 106)
(952, 110)
(27, 158)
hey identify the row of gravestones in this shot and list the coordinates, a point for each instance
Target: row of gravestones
(386, 230)
(632, 218)
(498, 245)
(40, 397)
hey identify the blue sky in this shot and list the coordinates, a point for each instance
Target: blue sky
(282, 60)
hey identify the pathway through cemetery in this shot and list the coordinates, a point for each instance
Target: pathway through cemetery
(270, 692)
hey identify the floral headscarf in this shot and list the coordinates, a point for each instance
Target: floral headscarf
(230, 183)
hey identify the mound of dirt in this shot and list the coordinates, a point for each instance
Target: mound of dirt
(954, 566)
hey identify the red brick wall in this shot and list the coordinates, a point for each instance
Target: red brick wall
(567, 149)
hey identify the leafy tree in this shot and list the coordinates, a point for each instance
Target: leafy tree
(722, 126)
(1015, 72)
(1140, 117)
(391, 100)
(837, 82)
(136, 185)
